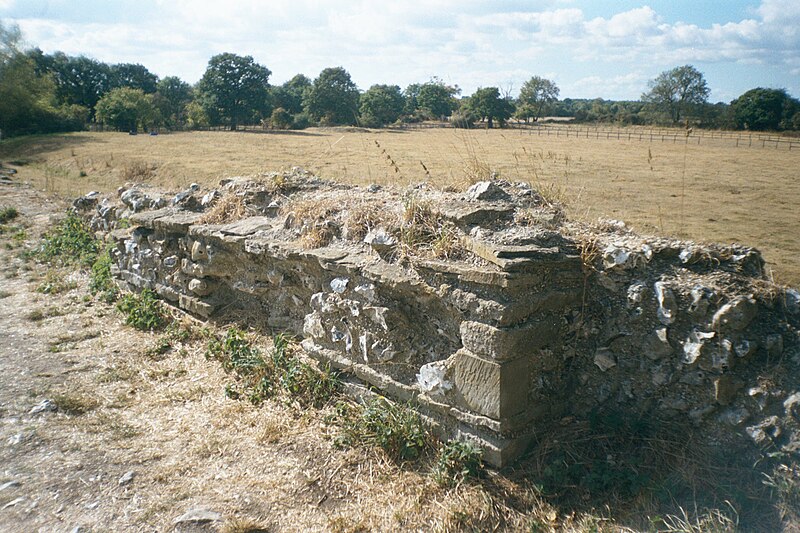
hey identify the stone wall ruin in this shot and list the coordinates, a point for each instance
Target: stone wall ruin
(487, 310)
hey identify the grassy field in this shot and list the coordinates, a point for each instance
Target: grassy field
(712, 191)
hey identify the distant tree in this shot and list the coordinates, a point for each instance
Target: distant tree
(381, 105)
(675, 91)
(78, 80)
(332, 98)
(28, 101)
(280, 119)
(196, 116)
(289, 96)
(765, 109)
(134, 76)
(534, 96)
(171, 97)
(486, 103)
(410, 95)
(436, 98)
(10, 38)
(235, 89)
(127, 109)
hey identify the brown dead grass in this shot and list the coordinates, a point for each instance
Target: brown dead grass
(713, 191)
(229, 208)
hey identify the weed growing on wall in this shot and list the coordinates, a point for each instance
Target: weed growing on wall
(396, 429)
(143, 311)
(456, 462)
(101, 282)
(259, 377)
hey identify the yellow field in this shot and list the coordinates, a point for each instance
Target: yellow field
(714, 191)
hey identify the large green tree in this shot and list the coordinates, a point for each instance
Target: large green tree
(535, 94)
(127, 109)
(486, 103)
(78, 80)
(171, 97)
(765, 109)
(333, 98)
(28, 101)
(381, 105)
(235, 89)
(134, 76)
(289, 95)
(437, 98)
(675, 91)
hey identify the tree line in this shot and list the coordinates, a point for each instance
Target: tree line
(42, 93)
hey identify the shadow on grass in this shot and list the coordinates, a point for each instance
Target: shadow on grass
(28, 149)
(282, 133)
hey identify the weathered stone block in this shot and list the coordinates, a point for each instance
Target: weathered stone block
(196, 306)
(495, 389)
(508, 343)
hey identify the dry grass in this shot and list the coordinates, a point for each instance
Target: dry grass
(138, 171)
(229, 208)
(725, 193)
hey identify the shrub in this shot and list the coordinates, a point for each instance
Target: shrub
(301, 121)
(280, 119)
(457, 461)
(143, 311)
(462, 120)
(8, 214)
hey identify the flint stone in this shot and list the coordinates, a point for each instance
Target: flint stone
(774, 345)
(198, 516)
(503, 344)
(667, 305)
(200, 287)
(487, 191)
(498, 390)
(604, 359)
(656, 345)
(790, 403)
(735, 315)
(43, 406)
(379, 240)
(199, 251)
(726, 388)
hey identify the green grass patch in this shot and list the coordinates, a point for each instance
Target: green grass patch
(259, 376)
(143, 311)
(396, 429)
(56, 282)
(456, 462)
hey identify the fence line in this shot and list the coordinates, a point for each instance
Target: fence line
(631, 133)
(750, 140)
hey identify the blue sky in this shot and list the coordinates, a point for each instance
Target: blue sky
(589, 48)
